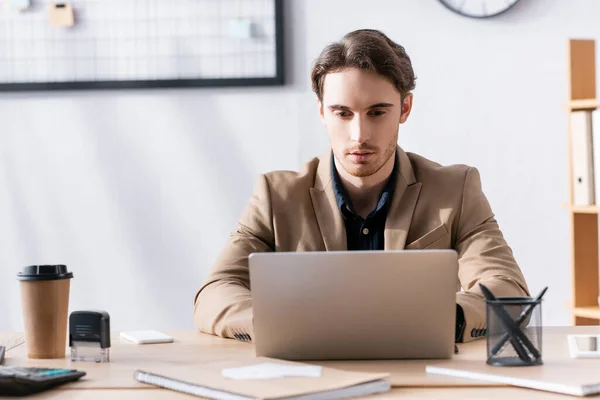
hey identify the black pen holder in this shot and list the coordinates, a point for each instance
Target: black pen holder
(514, 331)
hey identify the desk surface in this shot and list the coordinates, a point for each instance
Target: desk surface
(10, 340)
(499, 393)
(407, 376)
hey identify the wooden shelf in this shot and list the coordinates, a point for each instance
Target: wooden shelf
(587, 312)
(582, 209)
(585, 209)
(585, 252)
(587, 104)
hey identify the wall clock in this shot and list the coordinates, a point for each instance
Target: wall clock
(479, 8)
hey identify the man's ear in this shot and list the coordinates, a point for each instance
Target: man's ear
(320, 105)
(406, 107)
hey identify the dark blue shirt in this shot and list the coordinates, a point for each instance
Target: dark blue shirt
(368, 234)
(364, 233)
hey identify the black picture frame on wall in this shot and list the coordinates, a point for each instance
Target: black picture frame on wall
(277, 80)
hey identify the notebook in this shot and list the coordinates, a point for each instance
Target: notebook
(560, 376)
(217, 380)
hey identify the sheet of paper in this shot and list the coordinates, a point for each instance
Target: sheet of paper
(308, 371)
(271, 371)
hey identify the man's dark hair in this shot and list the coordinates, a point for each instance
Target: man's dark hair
(366, 49)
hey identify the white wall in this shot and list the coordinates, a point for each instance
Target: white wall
(136, 191)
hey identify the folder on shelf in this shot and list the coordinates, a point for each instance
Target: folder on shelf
(596, 153)
(582, 158)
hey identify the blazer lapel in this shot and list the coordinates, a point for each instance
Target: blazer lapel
(329, 218)
(402, 206)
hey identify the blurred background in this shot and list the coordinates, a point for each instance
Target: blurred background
(136, 189)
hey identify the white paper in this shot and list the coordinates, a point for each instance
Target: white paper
(271, 371)
(307, 371)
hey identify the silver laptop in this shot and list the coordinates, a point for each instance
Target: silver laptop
(354, 304)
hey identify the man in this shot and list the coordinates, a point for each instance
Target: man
(366, 193)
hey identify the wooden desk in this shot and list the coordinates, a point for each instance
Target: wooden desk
(499, 393)
(407, 376)
(10, 340)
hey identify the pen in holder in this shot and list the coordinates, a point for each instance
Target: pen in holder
(514, 329)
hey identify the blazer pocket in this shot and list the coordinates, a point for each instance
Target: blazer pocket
(428, 239)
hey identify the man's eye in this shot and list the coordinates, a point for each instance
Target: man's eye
(342, 114)
(377, 112)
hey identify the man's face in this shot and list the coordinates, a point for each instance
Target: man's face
(361, 111)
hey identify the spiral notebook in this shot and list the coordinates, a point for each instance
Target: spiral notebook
(216, 381)
(564, 376)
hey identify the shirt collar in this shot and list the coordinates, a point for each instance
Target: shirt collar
(341, 196)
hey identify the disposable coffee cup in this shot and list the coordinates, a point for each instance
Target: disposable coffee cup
(45, 304)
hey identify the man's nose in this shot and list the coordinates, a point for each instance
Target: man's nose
(359, 131)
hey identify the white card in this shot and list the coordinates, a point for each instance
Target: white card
(271, 371)
(146, 337)
(307, 371)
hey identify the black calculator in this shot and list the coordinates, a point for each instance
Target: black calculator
(22, 381)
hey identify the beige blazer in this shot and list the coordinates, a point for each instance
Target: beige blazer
(433, 207)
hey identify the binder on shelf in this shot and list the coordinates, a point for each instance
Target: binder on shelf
(596, 153)
(582, 158)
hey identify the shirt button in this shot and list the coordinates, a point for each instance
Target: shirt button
(365, 231)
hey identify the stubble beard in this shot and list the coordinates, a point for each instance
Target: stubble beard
(362, 170)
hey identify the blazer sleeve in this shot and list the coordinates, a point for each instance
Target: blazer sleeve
(484, 257)
(223, 305)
